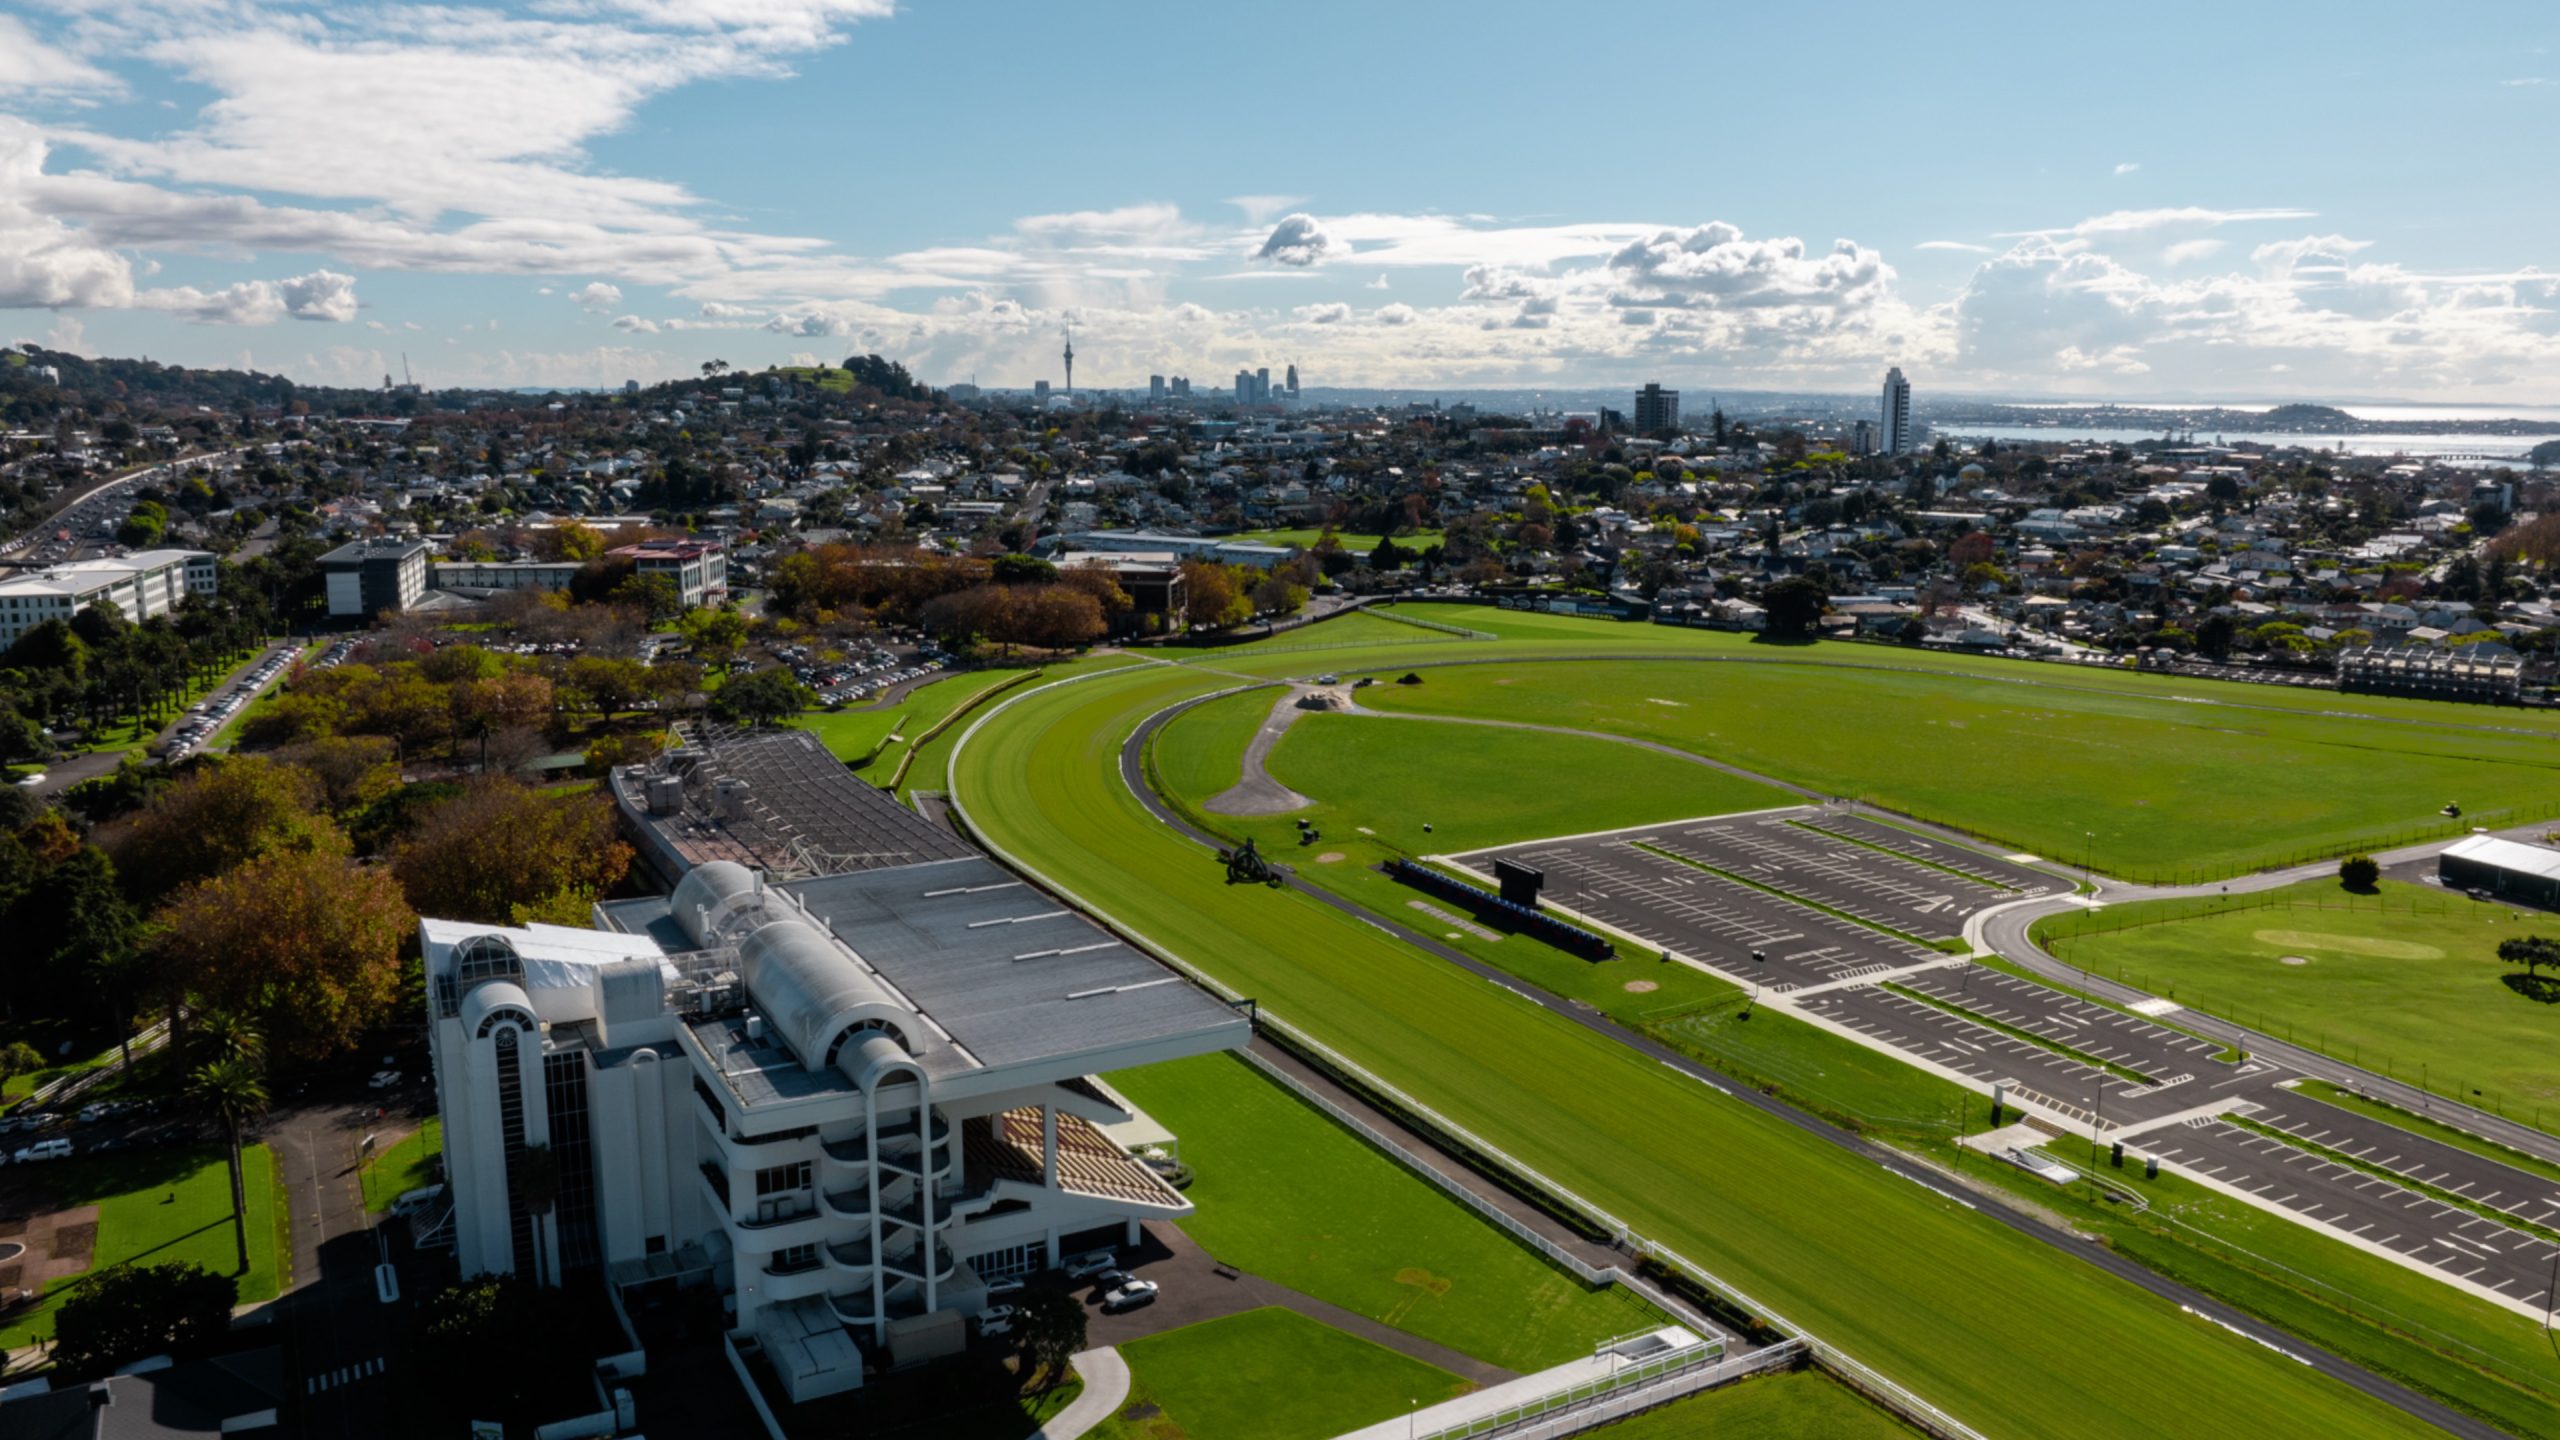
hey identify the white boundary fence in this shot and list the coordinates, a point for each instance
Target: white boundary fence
(1856, 1374)
(145, 1041)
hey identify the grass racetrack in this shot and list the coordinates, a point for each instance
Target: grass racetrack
(1286, 1193)
(2015, 1338)
(1793, 1405)
(2415, 995)
(1266, 1374)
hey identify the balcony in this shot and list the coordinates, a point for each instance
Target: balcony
(792, 1214)
(848, 1204)
(912, 1263)
(853, 1255)
(718, 1177)
(905, 1128)
(908, 1159)
(779, 1266)
(778, 1137)
(856, 1151)
(909, 1213)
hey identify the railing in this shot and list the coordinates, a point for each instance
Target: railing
(778, 1266)
(719, 1178)
(145, 1041)
(1640, 1386)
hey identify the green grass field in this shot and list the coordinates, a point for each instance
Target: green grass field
(1286, 1193)
(2414, 995)
(1362, 544)
(1316, 644)
(1267, 1374)
(160, 1209)
(1944, 1299)
(413, 1162)
(2163, 784)
(849, 734)
(1796, 1405)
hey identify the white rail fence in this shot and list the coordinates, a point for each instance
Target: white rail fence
(1571, 1409)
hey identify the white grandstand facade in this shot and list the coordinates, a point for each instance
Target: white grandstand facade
(846, 1102)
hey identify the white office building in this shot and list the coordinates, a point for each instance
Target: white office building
(140, 585)
(1895, 422)
(365, 578)
(846, 1103)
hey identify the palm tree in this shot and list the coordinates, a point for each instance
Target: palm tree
(234, 1092)
(222, 1035)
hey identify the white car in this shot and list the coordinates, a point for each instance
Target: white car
(1130, 1296)
(1090, 1264)
(32, 780)
(383, 1079)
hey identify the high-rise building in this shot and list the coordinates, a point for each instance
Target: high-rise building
(1262, 386)
(1896, 420)
(1862, 438)
(1244, 387)
(1293, 382)
(1040, 394)
(1155, 388)
(1182, 386)
(1657, 409)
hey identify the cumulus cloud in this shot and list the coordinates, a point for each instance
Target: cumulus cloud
(1300, 240)
(635, 325)
(1398, 313)
(320, 295)
(596, 297)
(1332, 313)
(2127, 167)
(2186, 252)
(29, 64)
(715, 310)
(1713, 266)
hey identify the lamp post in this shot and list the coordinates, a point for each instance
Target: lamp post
(1759, 958)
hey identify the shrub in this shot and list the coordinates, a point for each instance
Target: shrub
(2359, 872)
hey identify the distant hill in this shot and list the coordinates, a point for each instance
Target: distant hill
(2307, 417)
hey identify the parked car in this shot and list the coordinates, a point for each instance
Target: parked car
(1090, 1264)
(55, 1149)
(413, 1202)
(383, 1079)
(1130, 1296)
(1004, 1289)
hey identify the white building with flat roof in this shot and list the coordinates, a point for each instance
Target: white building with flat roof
(140, 585)
(846, 1103)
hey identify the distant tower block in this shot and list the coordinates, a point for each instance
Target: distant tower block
(1520, 883)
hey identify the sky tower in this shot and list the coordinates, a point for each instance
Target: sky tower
(1071, 361)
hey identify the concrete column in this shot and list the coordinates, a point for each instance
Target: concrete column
(1049, 1147)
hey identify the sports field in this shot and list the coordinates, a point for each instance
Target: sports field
(1289, 1195)
(1383, 779)
(1361, 543)
(1944, 1299)
(2363, 978)
(2164, 785)
(1266, 1374)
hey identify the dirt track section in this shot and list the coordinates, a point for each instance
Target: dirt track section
(1257, 793)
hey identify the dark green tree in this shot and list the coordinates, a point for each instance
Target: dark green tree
(1051, 1325)
(2530, 951)
(129, 1312)
(1794, 606)
(2359, 873)
(763, 698)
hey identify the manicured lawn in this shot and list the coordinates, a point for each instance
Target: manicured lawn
(2415, 995)
(1358, 630)
(414, 1162)
(2037, 764)
(849, 734)
(1286, 1193)
(1267, 1375)
(160, 1209)
(48, 1037)
(1795, 1405)
(1944, 1299)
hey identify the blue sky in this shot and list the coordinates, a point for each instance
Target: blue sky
(2223, 201)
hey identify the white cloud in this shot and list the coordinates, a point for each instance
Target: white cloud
(2127, 167)
(1300, 241)
(1965, 245)
(29, 64)
(1378, 284)
(1258, 209)
(1398, 313)
(2134, 222)
(1331, 313)
(596, 297)
(320, 295)
(2188, 251)
(635, 325)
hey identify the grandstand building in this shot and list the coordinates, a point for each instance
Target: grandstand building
(844, 1102)
(139, 586)
(2510, 870)
(2456, 674)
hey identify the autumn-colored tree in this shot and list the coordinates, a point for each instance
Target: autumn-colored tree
(294, 716)
(606, 684)
(1056, 617)
(221, 815)
(571, 540)
(517, 700)
(1214, 599)
(1099, 583)
(305, 943)
(500, 853)
(353, 770)
(454, 663)
(1974, 549)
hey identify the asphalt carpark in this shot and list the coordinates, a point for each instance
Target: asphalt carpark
(2364, 1207)
(1836, 872)
(1832, 970)
(1998, 872)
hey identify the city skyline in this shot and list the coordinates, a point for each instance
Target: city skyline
(584, 195)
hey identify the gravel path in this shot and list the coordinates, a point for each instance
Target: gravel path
(1257, 793)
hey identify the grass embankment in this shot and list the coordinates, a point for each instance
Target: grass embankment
(1267, 1374)
(418, 1159)
(159, 1209)
(2404, 982)
(2167, 786)
(1946, 1300)
(1286, 1193)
